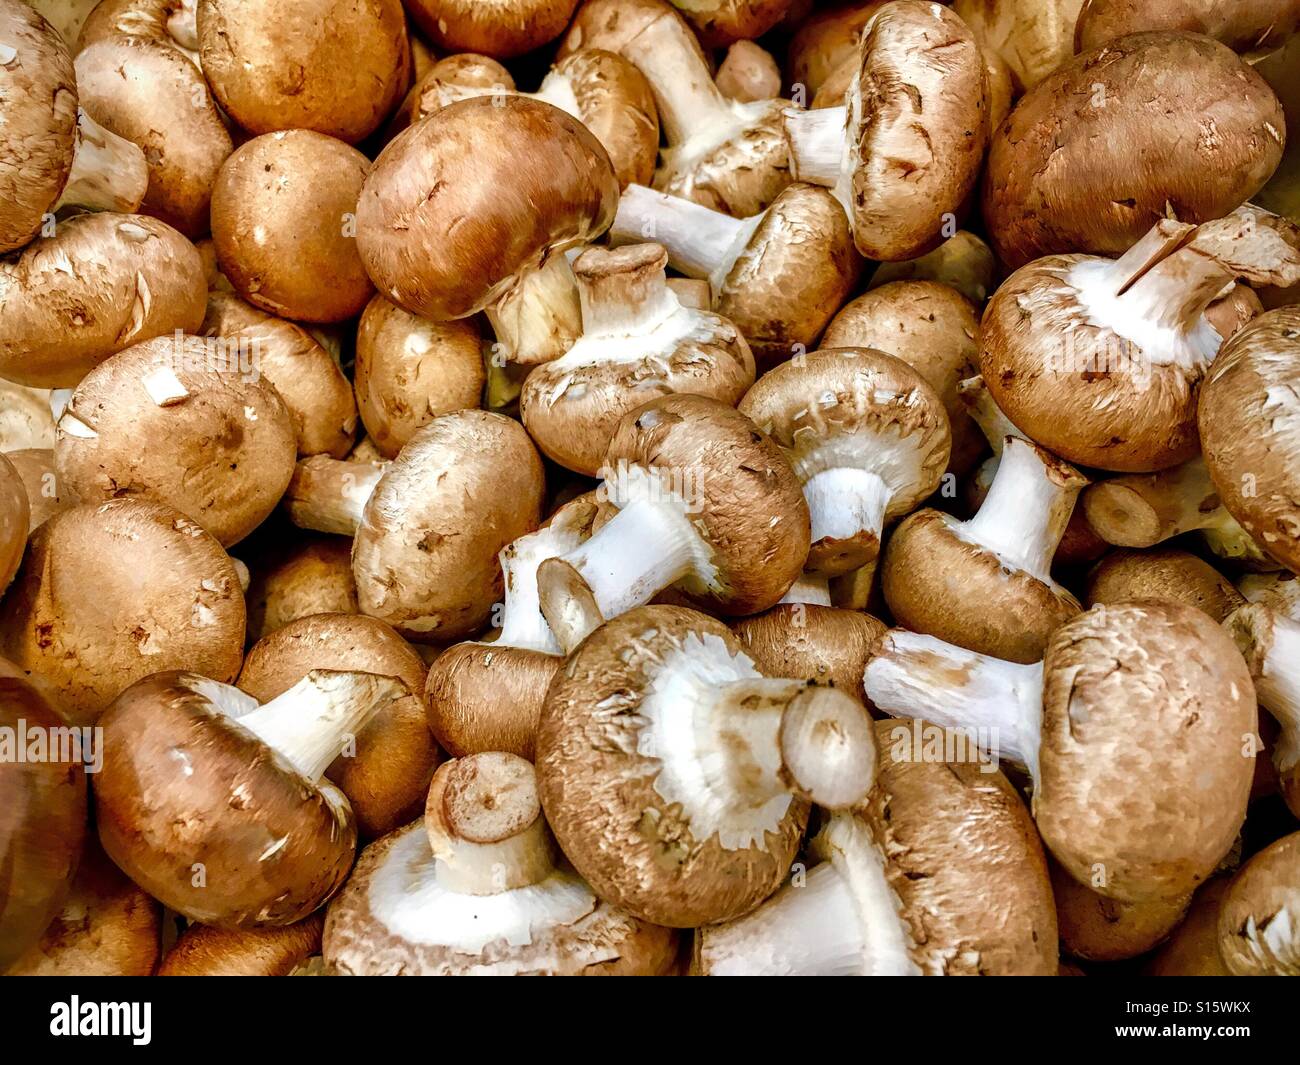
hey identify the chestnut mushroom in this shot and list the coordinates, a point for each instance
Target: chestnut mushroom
(26, 418)
(310, 575)
(1258, 933)
(963, 262)
(1033, 37)
(1279, 591)
(1192, 949)
(203, 950)
(1096, 928)
(748, 73)
(720, 22)
(1252, 28)
(1162, 573)
(35, 468)
(823, 42)
(500, 28)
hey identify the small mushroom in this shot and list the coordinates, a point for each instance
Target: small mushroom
(813, 642)
(1192, 949)
(1096, 928)
(311, 575)
(1162, 573)
(203, 950)
(1252, 28)
(1259, 926)
(26, 419)
(748, 73)
(500, 28)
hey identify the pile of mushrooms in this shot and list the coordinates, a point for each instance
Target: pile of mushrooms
(649, 487)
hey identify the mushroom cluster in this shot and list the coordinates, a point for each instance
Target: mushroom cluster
(649, 487)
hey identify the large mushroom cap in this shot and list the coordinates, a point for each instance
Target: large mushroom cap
(500, 28)
(720, 22)
(448, 220)
(1162, 573)
(114, 592)
(310, 575)
(1252, 27)
(1259, 923)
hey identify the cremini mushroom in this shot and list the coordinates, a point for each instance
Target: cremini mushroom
(638, 343)
(1096, 928)
(99, 284)
(467, 70)
(500, 28)
(1230, 314)
(780, 276)
(986, 583)
(1162, 573)
(385, 773)
(1180, 709)
(15, 520)
(66, 16)
(748, 73)
(35, 467)
(1259, 934)
(963, 261)
(1192, 948)
(823, 42)
(308, 575)
(116, 591)
(902, 155)
(720, 22)
(813, 642)
(867, 437)
(203, 950)
(676, 777)
(26, 419)
(1034, 37)
(1252, 28)
(217, 806)
(939, 873)
(480, 888)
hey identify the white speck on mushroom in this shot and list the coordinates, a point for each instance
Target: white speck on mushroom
(273, 849)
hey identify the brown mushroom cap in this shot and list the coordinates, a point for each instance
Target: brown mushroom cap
(284, 219)
(387, 775)
(1148, 702)
(963, 262)
(42, 821)
(114, 592)
(720, 22)
(409, 370)
(804, 641)
(500, 28)
(205, 951)
(26, 418)
(1250, 429)
(101, 283)
(35, 467)
(1255, 26)
(748, 72)
(1192, 949)
(1096, 928)
(824, 41)
(432, 181)
(1061, 174)
(338, 71)
(230, 440)
(1259, 934)
(15, 519)
(1163, 573)
(311, 575)
(1231, 314)
(1034, 37)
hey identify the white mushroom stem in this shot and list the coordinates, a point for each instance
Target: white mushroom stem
(626, 303)
(846, 501)
(1027, 509)
(1271, 642)
(330, 495)
(817, 144)
(1000, 703)
(109, 173)
(522, 623)
(980, 405)
(539, 318)
(810, 590)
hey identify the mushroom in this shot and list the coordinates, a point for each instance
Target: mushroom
(1252, 28)
(1250, 429)
(963, 261)
(101, 283)
(824, 41)
(1259, 934)
(310, 575)
(217, 807)
(436, 245)
(1033, 37)
(1280, 591)
(386, 772)
(1231, 314)
(813, 642)
(231, 439)
(44, 804)
(638, 343)
(1096, 928)
(676, 777)
(935, 330)
(779, 276)
(748, 73)
(705, 502)
(285, 221)
(41, 483)
(165, 595)
(1101, 360)
(66, 16)
(338, 70)
(315, 391)
(52, 154)
(500, 28)
(903, 154)
(1061, 175)
(138, 74)
(15, 520)
(722, 22)
(203, 950)
(487, 695)
(1153, 679)
(467, 70)
(1162, 573)
(867, 437)
(986, 584)
(26, 420)
(724, 154)
(1192, 948)
(1271, 645)
(939, 873)
(479, 888)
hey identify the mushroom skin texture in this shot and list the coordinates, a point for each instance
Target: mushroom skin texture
(166, 596)
(205, 951)
(15, 519)
(479, 888)
(387, 772)
(638, 343)
(101, 283)
(963, 262)
(232, 444)
(867, 437)
(44, 822)
(807, 641)
(316, 393)
(986, 584)
(1252, 28)
(1258, 933)
(35, 467)
(409, 370)
(748, 73)
(1096, 928)
(649, 708)
(1249, 421)
(1162, 573)
(502, 29)
(721, 22)
(338, 70)
(1192, 948)
(26, 419)
(178, 746)
(1179, 710)
(312, 575)
(824, 40)
(1083, 190)
(1033, 37)
(904, 153)
(939, 873)
(498, 242)
(284, 223)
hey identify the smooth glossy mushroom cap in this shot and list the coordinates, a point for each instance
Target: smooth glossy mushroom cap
(1163, 735)
(448, 221)
(1250, 430)
(804, 641)
(387, 775)
(1259, 923)
(35, 467)
(284, 222)
(311, 575)
(1162, 573)
(205, 951)
(114, 592)
(42, 822)
(230, 441)
(1192, 948)
(1096, 928)
(1231, 314)
(1061, 173)
(336, 70)
(15, 520)
(1034, 37)
(1254, 27)
(500, 28)
(101, 283)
